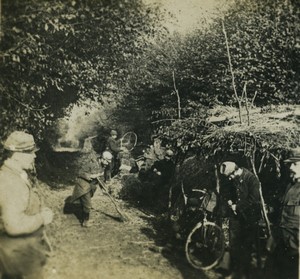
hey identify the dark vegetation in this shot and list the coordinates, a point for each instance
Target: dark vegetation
(62, 53)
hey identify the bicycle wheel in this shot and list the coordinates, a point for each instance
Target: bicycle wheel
(205, 246)
(129, 140)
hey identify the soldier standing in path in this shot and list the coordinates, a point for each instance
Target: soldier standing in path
(86, 182)
(22, 217)
(244, 203)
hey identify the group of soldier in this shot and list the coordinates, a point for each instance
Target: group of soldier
(23, 246)
(245, 202)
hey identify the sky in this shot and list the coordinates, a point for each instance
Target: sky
(189, 13)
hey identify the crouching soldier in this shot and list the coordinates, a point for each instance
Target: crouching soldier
(86, 181)
(22, 217)
(106, 162)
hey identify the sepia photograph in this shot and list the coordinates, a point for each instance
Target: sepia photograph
(149, 139)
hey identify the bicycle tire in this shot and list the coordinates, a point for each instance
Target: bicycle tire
(129, 140)
(205, 246)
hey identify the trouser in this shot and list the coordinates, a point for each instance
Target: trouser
(86, 201)
(286, 254)
(242, 239)
(107, 172)
(22, 257)
(115, 165)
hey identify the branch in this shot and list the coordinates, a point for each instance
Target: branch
(23, 104)
(178, 97)
(253, 99)
(264, 211)
(162, 120)
(231, 71)
(246, 102)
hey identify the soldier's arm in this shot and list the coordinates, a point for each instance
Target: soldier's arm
(14, 202)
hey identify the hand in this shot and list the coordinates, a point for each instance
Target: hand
(232, 206)
(123, 149)
(47, 215)
(93, 176)
(158, 173)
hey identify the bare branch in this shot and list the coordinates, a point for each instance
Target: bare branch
(246, 102)
(263, 208)
(253, 99)
(232, 73)
(178, 97)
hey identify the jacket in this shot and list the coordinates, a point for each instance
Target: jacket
(113, 145)
(22, 251)
(247, 197)
(88, 165)
(290, 214)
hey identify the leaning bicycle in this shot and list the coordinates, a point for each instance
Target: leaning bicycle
(205, 245)
(205, 241)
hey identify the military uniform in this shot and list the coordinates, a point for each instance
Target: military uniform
(114, 147)
(85, 186)
(287, 236)
(243, 222)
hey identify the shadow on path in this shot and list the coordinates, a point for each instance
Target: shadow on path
(171, 248)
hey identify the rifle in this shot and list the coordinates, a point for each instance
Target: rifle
(124, 217)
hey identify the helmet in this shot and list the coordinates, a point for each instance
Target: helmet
(169, 153)
(107, 156)
(113, 133)
(294, 156)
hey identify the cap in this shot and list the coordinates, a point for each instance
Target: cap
(227, 168)
(294, 156)
(107, 155)
(19, 141)
(113, 132)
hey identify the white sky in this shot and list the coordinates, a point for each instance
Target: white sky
(189, 12)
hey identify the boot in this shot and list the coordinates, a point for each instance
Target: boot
(86, 220)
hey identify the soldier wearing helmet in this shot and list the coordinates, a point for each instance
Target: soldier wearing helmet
(22, 214)
(243, 200)
(113, 145)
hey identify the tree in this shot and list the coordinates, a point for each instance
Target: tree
(60, 52)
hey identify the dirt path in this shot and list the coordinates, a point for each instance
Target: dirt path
(111, 249)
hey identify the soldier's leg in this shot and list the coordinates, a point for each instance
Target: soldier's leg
(235, 243)
(86, 203)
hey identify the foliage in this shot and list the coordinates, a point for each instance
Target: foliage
(264, 47)
(60, 52)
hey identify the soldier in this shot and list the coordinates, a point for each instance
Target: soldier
(114, 147)
(106, 164)
(286, 253)
(22, 216)
(86, 182)
(244, 203)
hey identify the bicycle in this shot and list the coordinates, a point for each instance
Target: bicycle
(205, 245)
(205, 241)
